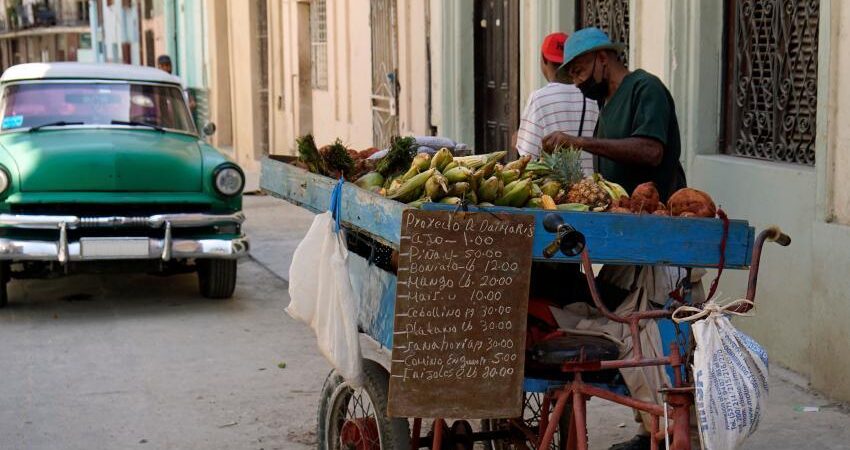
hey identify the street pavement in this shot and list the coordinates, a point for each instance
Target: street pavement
(142, 362)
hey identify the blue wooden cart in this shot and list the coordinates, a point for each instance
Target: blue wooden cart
(611, 238)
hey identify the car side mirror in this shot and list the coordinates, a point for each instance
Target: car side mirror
(209, 129)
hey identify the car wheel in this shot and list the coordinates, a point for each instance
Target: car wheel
(217, 277)
(355, 417)
(4, 281)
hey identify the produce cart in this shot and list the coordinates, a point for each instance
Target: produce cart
(357, 417)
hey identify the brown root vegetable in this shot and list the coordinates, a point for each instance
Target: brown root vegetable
(622, 202)
(661, 212)
(620, 209)
(689, 202)
(645, 198)
(367, 152)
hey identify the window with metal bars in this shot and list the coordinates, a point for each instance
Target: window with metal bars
(263, 69)
(771, 79)
(319, 43)
(611, 16)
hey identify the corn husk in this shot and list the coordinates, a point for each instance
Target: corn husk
(509, 175)
(451, 201)
(441, 159)
(551, 188)
(517, 196)
(422, 161)
(419, 202)
(437, 186)
(534, 202)
(458, 189)
(490, 189)
(412, 188)
(371, 179)
(580, 207)
(458, 174)
(519, 164)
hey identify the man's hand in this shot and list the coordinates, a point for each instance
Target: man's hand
(558, 139)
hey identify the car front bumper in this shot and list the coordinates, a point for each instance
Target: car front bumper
(120, 247)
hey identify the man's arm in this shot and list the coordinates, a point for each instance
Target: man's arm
(635, 150)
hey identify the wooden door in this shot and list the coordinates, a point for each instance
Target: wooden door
(496, 43)
(385, 85)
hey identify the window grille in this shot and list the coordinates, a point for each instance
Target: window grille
(319, 44)
(771, 79)
(611, 16)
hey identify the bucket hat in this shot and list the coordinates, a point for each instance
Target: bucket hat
(587, 40)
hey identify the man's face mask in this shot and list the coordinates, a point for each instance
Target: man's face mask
(592, 89)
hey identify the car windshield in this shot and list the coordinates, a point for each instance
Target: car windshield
(29, 105)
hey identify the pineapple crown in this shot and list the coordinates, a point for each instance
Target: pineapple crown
(564, 164)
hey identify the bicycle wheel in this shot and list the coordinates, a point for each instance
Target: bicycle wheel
(532, 406)
(355, 418)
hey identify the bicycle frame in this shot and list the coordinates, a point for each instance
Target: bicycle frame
(678, 400)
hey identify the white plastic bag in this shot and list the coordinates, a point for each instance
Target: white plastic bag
(731, 379)
(321, 295)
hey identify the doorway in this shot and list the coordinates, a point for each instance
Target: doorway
(496, 36)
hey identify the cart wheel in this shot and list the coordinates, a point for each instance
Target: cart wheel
(531, 418)
(355, 418)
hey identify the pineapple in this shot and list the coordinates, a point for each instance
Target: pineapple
(588, 192)
(563, 165)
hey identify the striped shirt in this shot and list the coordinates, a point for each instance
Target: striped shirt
(556, 107)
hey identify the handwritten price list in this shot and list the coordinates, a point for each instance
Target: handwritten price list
(460, 314)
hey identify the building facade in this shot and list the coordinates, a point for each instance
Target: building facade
(763, 108)
(43, 30)
(758, 87)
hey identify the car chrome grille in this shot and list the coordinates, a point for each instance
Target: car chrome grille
(135, 210)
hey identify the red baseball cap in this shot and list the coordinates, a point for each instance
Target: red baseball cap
(553, 47)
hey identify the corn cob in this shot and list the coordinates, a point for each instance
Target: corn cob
(534, 202)
(547, 202)
(519, 164)
(551, 188)
(450, 200)
(441, 159)
(535, 190)
(437, 186)
(422, 161)
(458, 189)
(458, 174)
(491, 189)
(412, 188)
(509, 175)
(517, 196)
(419, 202)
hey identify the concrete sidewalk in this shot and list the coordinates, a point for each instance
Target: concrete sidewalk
(276, 227)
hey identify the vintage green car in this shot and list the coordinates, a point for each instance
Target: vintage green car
(103, 169)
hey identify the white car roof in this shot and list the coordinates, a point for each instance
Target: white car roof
(74, 70)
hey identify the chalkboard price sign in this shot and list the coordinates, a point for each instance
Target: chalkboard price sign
(460, 315)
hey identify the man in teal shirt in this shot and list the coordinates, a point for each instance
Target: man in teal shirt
(637, 134)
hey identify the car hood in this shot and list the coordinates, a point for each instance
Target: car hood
(60, 160)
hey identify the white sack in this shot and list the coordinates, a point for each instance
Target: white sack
(321, 295)
(731, 378)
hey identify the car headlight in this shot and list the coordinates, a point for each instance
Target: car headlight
(229, 180)
(4, 180)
